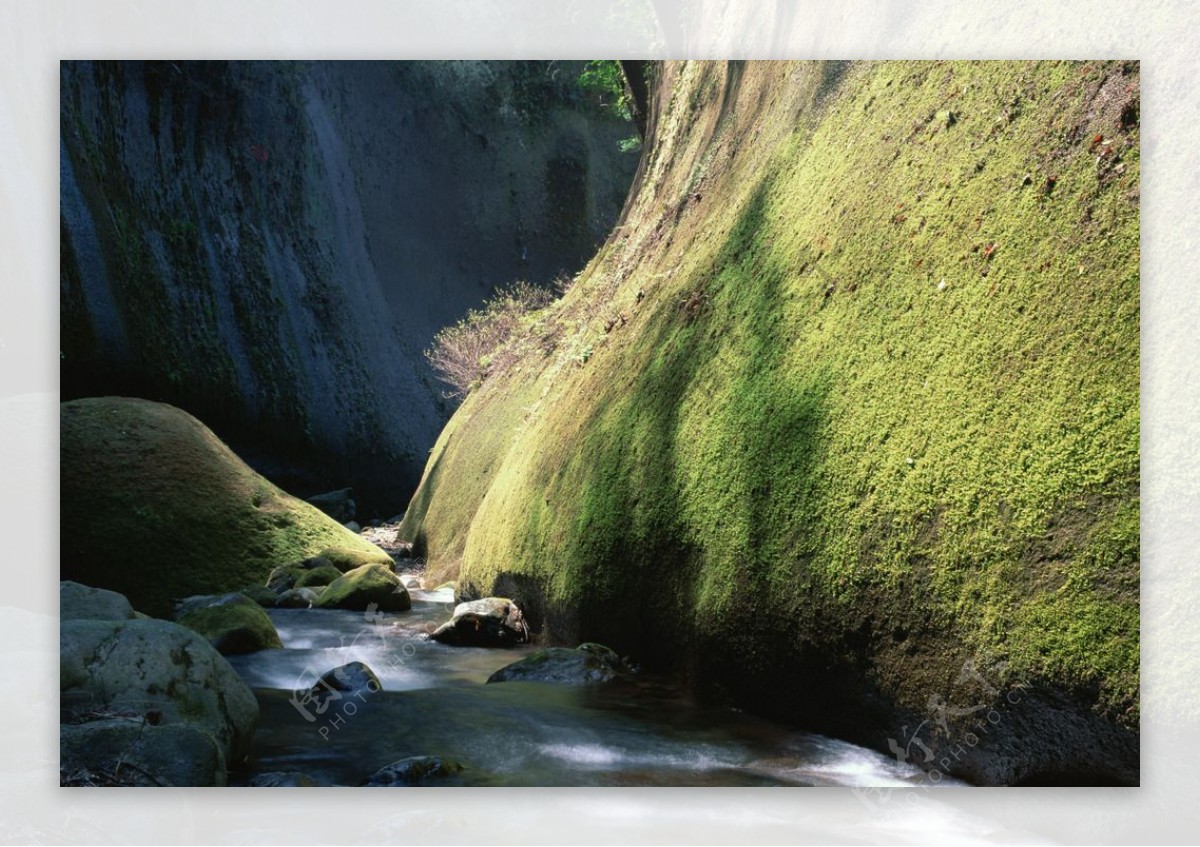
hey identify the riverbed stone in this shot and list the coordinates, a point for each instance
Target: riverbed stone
(261, 595)
(285, 779)
(489, 622)
(355, 679)
(297, 598)
(233, 624)
(364, 586)
(82, 602)
(285, 576)
(132, 751)
(413, 770)
(586, 664)
(156, 670)
(318, 577)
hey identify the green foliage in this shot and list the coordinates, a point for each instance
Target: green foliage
(604, 81)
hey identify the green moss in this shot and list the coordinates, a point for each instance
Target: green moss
(234, 627)
(323, 575)
(361, 587)
(880, 370)
(349, 557)
(156, 507)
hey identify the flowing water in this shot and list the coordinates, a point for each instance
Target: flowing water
(434, 701)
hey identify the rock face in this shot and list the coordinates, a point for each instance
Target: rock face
(860, 438)
(131, 751)
(122, 674)
(586, 664)
(361, 587)
(82, 602)
(490, 622)
(415, 770)
(156, 507)
(232, 623)
(232, 241)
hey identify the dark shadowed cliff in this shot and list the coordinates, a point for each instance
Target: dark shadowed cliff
(271, 246)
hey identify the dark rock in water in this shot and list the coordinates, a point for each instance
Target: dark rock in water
(374, 584)
(297, 598)
(233, 623)
(145, 482)
(350, 558)
(133, 751)
(261, 595)
(584, 665)
(319, 577)
(339, 504)
(353, 526)
(285, 779)
(156, 670)
(348, 680)
(490, 622)
(78, 602)
(415, 770)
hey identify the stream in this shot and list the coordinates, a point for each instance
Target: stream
(434, 701)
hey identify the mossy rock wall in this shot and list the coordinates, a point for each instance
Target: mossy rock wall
(156, 507)
(850, 400)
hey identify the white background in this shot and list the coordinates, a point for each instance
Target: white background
(36, 34)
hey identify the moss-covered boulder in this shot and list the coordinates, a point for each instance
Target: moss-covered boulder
(586, 664)
(318, 577)
(156, 672)
(347, 558)
(370, 584)
(489, 622)
(155, 506)
(82, 602)
(234, 624)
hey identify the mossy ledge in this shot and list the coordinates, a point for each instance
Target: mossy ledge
(844, 416)
(156, 507)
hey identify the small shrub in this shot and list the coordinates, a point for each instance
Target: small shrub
(483, 343)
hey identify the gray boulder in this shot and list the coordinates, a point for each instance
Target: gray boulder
(490, 622)
(297, 598)
(586, 664)
(132, 751)
(156, 670)
(78, 602)
(413, 770)
(348, 680)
